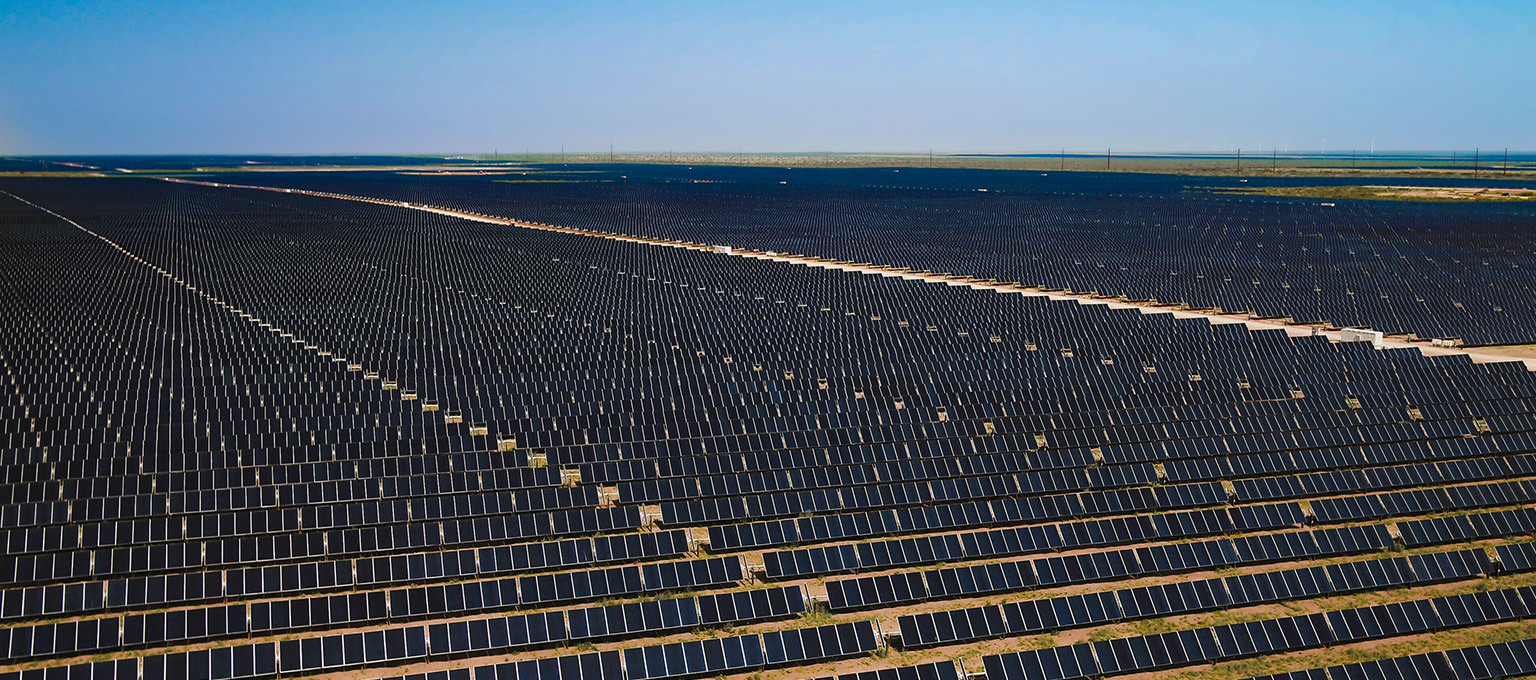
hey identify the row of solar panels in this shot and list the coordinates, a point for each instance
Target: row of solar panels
(215, 424)
(948, 516)
(964, 465)
(296, 444)
(1218, 464)
(1330, 482)
(1435, 406)
(1125, 439)
(1512, 659)
(946, 429)
(1238, 467)
(209, 470)
(1113, 451)
(1421, 501)
(714, 656)
(553, 496)
(285, 618)
(1000, 424)
(916, 471)
(734, 505)
(280, 579)
(409, 486)
(1234, 641)
(821, 501)
(39, 600)
(297, 492)
(544, 589)
(768, 534)
(1015, 576)
(1022, 438)
(799, 436)
(937, 670)
(49, 566)
(1469, 527)
(566, 370)
(170, 525)
(1048, 615)
(691, 421)
(463, 502)
(306, 493)
(905, 552)
(1005, 422)
(1136, 359)
(66, 599)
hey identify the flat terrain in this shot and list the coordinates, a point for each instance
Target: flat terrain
(1285, 165)
(1370, 192)
(364, 425)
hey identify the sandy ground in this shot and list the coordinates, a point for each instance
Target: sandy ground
(1393, 192)
(1453, 192)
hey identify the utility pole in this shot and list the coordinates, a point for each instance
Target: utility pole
(1063, 159)
(1477, 159)
(1239, 161)
(1107, 156)
(610, 152)
(562, 154)
(1274, 160)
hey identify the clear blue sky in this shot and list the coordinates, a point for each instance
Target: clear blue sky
(221, 76)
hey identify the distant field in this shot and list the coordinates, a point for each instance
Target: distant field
(1282, 166)
(1396, 193)
(51, 173)
(1521, 167)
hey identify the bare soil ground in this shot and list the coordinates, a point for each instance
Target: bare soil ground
(1385, 192)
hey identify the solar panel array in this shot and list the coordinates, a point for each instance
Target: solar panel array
(254, 434)
(1498, 660)
(1434, 269)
